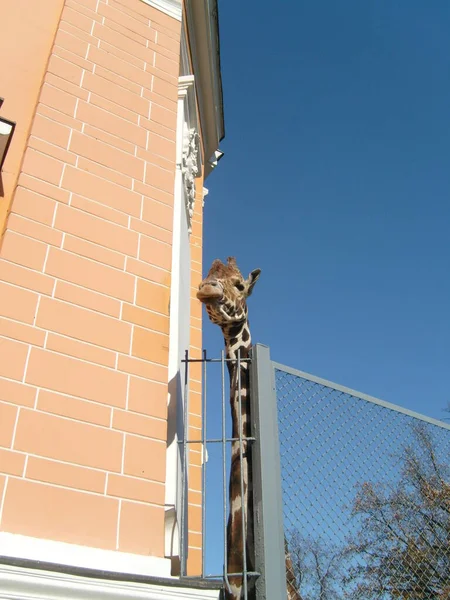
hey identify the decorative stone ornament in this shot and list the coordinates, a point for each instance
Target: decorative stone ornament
(190, 170)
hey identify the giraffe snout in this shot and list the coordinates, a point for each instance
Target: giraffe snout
(210, 290)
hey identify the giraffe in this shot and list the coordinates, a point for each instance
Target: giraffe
(224, 293)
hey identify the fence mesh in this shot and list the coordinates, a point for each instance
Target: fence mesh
(366, 494)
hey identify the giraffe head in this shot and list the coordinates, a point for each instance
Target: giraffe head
(224, 292)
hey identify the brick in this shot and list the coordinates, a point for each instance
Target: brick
(89, 274)
(126, 57)
(70, 42)
(36, 231)
(153, 297)
(17, 303)
(62, 84)
(51, 150)
(106, 173)
(41, 469)
(160, 178)
(140, 11)
(150, 346)
(65, 69)
(77, 32)
(141, 529)
(87, 299)
(20, 332)
(84, 9)
(11, 462)
(148, 397)
(42, 166)
(165, 88)
(34, 206)
(71, 441)
(97, 230)
(195, 477)
(115, 37)
(107, 155)
(145, 318)
(155, 252)
(112, 140)
(9, 272)
(154, 193)
(100, 210)
(160, 73)
(100, 190)
(168, 42)
(77, 378)
(146, 271)
(160, 49)
(154, 159)
(50, 131)
(170, 66)
(119, 80)
(161, 146)
(71, 347)
(132, 488)
(24, 251)
(77, 19)
(8, 415)
(83, 324)
(152, 231)
(93, 251)
(59, 117)
(125, 20)
(43, 188)
(124, 420)
(114, 108)
(142, 368)
(58, 99)
(145, 458)
(158, 213)
(165, 132)
(48, 512)
(74, 408)
(121, 96)
(74, 58)
(17, 393)
(100, 56)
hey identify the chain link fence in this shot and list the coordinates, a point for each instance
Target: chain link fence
(366, 493)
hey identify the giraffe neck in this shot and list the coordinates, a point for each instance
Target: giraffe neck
(237, 344)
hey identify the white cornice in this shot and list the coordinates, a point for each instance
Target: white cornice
(170, 7)
(203, 33)
(23, 583)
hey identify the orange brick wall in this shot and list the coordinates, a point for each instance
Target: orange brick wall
(195, 540)
(84, 282)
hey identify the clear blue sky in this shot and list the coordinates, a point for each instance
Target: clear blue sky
(336, 183)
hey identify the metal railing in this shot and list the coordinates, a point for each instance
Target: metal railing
(269, 574)
(366, 493)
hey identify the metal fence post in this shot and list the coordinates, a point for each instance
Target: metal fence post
(268, 507)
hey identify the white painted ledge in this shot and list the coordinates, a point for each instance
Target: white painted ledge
(21, 583)
(169, 7)
(21, 546)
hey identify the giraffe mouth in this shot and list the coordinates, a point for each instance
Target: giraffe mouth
(209, 294)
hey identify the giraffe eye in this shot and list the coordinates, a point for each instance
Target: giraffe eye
(238, 285)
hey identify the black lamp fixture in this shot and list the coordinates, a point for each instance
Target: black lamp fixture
(6, 132)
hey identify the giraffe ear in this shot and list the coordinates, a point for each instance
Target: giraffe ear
(252, 279)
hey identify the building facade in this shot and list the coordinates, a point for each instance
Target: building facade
(118, 113)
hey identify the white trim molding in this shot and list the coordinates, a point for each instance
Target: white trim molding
(22, 583)
(169, 7)
(73, 555)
